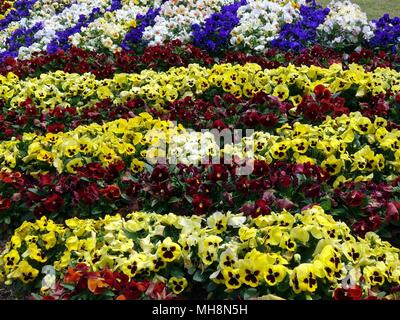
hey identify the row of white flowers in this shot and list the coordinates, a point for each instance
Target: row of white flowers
(42, 10)
(260, 23)
(54, 23)
(66, 19)
(107, 32)
(345, 24)
(177, 17)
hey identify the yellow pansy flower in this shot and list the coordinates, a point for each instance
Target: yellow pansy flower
(233, 278)
(178, 285)
(169, 250)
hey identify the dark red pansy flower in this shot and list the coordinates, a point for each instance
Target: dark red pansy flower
(269, 120)
(111, 192)
(10, 61)
(56, 127)
(351, 293)
(256, 185)
(312, 190)
(117, 166)
(219, 124)
(5, 204)
(374, 221)
(361, 227)
(143, 285)
(243, 184)
(201, 203)
(8, 132)
(247, 209)
(284, 204)
(71, 110)
(133, 189)
(53, 202)
(261, 208)
(160, 173)
(161, 190)
(397, 98)
(209, 114)
(58, 112)
(21, 120)
(392, 211)
(89, 194)
(354, 198)
(260, 168)
(218, 173)
(322, 92)
(39, 211)
(251, 118)
(285, 180)
(46, 180)
(93, 170)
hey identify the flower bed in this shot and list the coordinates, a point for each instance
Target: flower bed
(269, 128)
(222, 256)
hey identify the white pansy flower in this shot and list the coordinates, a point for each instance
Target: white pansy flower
(108, 31)
(177, 17)
(346, 24)
(261, 21)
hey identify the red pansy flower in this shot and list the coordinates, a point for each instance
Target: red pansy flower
(53, 202)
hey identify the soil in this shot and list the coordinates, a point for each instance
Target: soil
(6, 293)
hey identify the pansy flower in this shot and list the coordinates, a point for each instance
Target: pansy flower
(178, 285)
(169, 250)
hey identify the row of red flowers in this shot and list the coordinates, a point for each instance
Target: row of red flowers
(261, 112)
(94, 190)
(175, 54)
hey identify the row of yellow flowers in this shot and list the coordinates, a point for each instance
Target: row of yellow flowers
(116, 140)
(66, 89)
(350, 143)
(345, 145)
(309, 251)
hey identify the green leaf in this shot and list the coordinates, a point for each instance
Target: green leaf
(97, 212)
(34, 190)
(36, 296)
(125, 197)
(149, 167)
(381, 295)
(211, 287)
(385, 234)
(174, 200)
(177, 272)
(68, 286)
(154, 202)
(250, 293)
(219, 183)
(326, 204)
(192, 270)
(108, 293)
(188, 198)
(199, 276)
